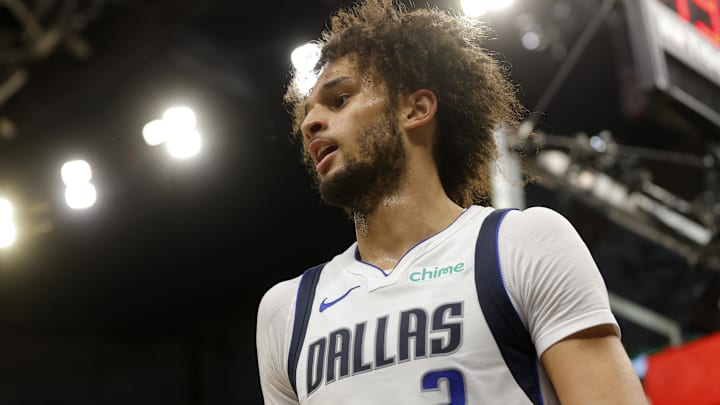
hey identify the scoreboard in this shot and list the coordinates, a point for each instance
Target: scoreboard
(676, 50)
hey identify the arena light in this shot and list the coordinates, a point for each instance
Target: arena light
(176, 129)
(531, 40)
(79, 193)
(184, 144)
(8, 234)
(8, 231)
(304, 58)
(179, 117)
(532, 37)
(477, 8)
(6, 209)
(76, 171)
(155, 132)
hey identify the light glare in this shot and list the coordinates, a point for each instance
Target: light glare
(76, 171)
(304, 59)
(155, 132)
(555, 162)
(476, 8)
(180, 117)
(184, 144)
(80, 195)
(8, 234)
(6, 210)
(305, 82)
(530, 40)
(500, 4)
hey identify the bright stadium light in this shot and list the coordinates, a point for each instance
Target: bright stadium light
(179, 117)
(8, 231)
(6, 209)
(76, 171)
(184, 144)
(476, 8)
(8, 234)
(304, 58)
(79, 192)
(155, 132)
(80, 195)
(177, 131)
(531, 40)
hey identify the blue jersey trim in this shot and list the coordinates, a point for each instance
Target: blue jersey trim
(507, 328)
(303, 309)
(510, 334)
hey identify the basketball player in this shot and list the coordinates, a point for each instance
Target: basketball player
(442, 299)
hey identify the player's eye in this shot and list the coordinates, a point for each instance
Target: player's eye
(341, 100)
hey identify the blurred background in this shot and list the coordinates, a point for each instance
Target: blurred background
(150, 193)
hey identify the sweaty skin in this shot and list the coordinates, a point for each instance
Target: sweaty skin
(400, 200)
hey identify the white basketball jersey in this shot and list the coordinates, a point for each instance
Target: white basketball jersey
(418, 334)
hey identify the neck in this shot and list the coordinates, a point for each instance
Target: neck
(402, 220)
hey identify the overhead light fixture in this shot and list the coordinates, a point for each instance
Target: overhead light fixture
(79, 192)
(477, 8)
(8, 231)
(304, 58)
(176, 129)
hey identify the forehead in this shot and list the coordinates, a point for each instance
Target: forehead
(347, 67)
(344, 66)
(338, 74)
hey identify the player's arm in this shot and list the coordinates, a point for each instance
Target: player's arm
(272, 334)
(592, 367)
(556, 285)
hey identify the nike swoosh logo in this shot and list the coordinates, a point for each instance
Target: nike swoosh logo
(325, 305)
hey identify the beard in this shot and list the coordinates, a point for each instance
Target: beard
(369, 177)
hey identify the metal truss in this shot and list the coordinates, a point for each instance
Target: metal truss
(30, 31)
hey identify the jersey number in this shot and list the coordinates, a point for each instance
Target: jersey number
(455, 384)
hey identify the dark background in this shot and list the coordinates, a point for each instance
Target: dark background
(149, 297)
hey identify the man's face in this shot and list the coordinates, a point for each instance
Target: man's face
(352, 144)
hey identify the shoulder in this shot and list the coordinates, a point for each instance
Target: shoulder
(538, 225)
(281, 297)
(275, 316)
(540, 251)
(550, 276)
(538, 216)
(278, 300)
(539, 238)
(273, 332)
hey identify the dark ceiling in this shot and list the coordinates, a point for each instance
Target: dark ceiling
(171, 243)
(176, 236)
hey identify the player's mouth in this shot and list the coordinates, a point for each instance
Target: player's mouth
(324, 158)
(322, 151)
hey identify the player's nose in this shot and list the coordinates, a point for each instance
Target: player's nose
(312, 124)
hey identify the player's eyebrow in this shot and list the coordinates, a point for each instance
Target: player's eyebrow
(329, 85)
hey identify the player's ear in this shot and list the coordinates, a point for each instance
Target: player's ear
(418, 108)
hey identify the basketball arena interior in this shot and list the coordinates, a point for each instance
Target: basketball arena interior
(132, 264)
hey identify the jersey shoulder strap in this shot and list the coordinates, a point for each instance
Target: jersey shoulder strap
(510, 334)
(303, 309)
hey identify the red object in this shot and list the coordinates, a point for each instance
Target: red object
(688, 374)
(709, 7)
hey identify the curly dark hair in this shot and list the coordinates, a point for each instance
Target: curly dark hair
(437, 50)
